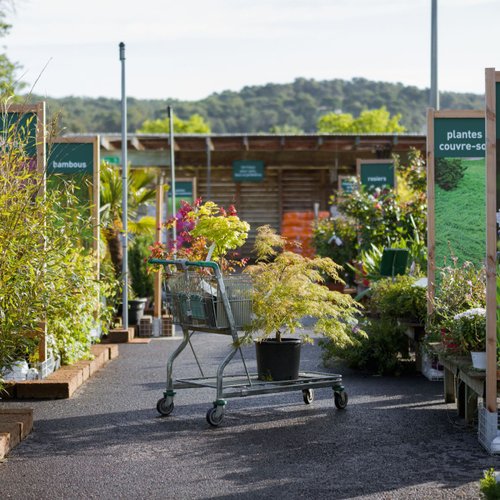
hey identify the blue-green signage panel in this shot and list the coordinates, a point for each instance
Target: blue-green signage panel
(70, 158)
(348, 185)
(20, 128)
(377, 174)
(248, 171)
(183, 190)
(459, 138)
(459, 191)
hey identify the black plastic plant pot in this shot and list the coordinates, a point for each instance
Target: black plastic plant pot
(278, 360)
(136, 310)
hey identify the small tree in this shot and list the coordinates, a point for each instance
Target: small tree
(288, 286)
(375, 121)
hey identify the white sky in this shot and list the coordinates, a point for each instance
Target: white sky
(187, 49)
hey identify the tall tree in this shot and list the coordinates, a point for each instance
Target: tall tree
(195, 124)
(8, 83)
(375, 121)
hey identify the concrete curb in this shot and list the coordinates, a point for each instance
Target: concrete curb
(64, 382)
(15, 425)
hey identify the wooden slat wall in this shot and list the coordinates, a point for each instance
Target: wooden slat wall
(259, 203)
(302, 188)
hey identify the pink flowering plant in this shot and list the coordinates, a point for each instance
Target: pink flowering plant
(205, 231)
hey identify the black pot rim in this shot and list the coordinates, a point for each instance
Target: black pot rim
(290, 340)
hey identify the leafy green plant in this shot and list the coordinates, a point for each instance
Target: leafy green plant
(288, 286)
(337, 240)
(205, 232)
(488, 485)
(468, 330)
(142, 280)
(140, 193)
(399, 298)
(382, 349)
(449, 172)
(46, 274)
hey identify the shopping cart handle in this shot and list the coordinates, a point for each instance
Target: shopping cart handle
(185, 263)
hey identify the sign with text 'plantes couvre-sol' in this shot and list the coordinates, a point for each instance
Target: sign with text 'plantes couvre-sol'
(376, 173)
(456, 175)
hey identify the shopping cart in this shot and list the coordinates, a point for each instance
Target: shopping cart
(202, 300)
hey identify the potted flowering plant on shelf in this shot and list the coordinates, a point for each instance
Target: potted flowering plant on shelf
(468, 332)
(286, 288)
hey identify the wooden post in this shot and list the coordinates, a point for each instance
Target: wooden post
(159, 222)
(492, 78)
(431, 242)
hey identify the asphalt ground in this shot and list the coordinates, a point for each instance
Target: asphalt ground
(396, 438)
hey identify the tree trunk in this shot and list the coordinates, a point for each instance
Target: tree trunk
(114, 241)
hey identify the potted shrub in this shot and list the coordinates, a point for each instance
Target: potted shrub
(286, 288)
(460, 288)
(468, 332)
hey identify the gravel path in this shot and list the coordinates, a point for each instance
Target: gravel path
(396, 439)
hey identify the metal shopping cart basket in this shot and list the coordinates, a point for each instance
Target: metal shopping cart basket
(202, 300)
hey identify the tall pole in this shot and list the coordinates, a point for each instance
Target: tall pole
(124, 193)
(434, 93)
(209, 166)
(172, 172)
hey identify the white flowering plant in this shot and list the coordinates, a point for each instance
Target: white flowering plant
(468, 330)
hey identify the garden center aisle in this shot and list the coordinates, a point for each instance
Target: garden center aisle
(396, 439)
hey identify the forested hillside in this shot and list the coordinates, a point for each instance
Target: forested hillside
(259, 108)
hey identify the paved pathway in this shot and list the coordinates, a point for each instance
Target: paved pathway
(396, 439)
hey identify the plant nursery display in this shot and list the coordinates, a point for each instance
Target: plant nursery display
(288, 287)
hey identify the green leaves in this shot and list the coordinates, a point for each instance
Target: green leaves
(290, 287)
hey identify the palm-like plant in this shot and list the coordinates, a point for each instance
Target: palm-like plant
(140, 192)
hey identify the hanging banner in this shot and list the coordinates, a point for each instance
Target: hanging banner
(456, 175)
(376, 173)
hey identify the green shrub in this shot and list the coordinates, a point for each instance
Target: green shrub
(336, 239)
(382, 351)
(449, 172)
(399, 298)
(488, 486)
(142, 281)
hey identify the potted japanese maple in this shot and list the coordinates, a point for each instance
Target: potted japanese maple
(286, 288)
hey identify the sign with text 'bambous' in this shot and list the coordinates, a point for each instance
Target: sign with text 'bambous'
(456, 189)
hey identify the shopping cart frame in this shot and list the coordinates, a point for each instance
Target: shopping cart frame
(231, 386)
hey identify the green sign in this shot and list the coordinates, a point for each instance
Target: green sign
(19, 129)
(459, 138)
(248, 171)
(113, 160)
(70, 158)
(377, 174)
(183, 190)
(459, 191)
(347, 185)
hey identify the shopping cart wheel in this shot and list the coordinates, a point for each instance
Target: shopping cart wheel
(164, 408)
(308, 395)
(341, 399)
(215, 416)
